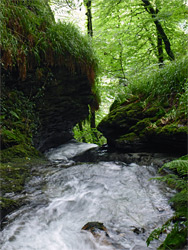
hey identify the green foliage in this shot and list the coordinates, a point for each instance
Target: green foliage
(18, 124)
(126, 35)
(162, 93)
(88, 134)
(125, 38)
(161, 83)
(176, 239)
(30, 38)
(13, 175)
(178, 224)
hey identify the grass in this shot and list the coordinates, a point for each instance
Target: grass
(31, 39)
(161, 84)
(165, 88)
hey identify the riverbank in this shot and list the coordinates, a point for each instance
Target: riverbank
(14, 175)
(152, 116)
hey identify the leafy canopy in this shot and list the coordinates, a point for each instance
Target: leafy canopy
(126, 34)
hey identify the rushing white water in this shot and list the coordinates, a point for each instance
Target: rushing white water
(61, 200)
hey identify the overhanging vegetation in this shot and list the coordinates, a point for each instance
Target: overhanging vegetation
(30, 40)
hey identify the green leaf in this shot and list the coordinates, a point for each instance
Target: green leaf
(14, 114)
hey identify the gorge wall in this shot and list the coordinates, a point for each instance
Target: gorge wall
(64, 103)
(48, 66)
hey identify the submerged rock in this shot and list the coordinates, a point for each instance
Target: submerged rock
(106, 153)
(96, 228)
(100, 232)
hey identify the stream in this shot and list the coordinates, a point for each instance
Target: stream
(64, 195)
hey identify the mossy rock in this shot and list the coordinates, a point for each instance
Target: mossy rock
(13, 176)
(8, 204)
(18, 151)
(134, 110)
(115, 105)
(128, 137)
(154, 112)
(172, 129)
(151, 127)
(123, 115)
(146, 122)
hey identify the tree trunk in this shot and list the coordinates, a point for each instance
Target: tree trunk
(160, 50)
(89, 18)
(90, 33)
(148, 7)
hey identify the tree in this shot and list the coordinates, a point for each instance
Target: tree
(88, 3)
(147, 32)
(89, 17)
(161, 35)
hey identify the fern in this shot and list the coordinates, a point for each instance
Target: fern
(178, 224)
(180, 165)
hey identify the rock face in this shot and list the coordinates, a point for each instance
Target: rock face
(64, 103)
(53, 65)
(132, 128)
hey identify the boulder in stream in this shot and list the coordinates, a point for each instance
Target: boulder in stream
(132, 128)
(96, 228)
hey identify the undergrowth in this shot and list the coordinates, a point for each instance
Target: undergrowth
(177, 226)
(18, 122)
(161, 83)
(165, 88)
(30, 39)
(88, 134)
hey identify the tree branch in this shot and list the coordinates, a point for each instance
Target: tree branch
(148, 7)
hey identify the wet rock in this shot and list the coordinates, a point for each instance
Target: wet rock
(137, 247)
(96, 228)
(139, 230)
(106, 153)
(100, 233)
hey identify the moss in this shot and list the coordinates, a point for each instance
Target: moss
(172, 129)
(128, 137)
(154, 111)
(142, 124)
(8, 204)
(41, 42)
(115, 105)
(18, 151)
(13, 175)
(134, 110)
(129, 114)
